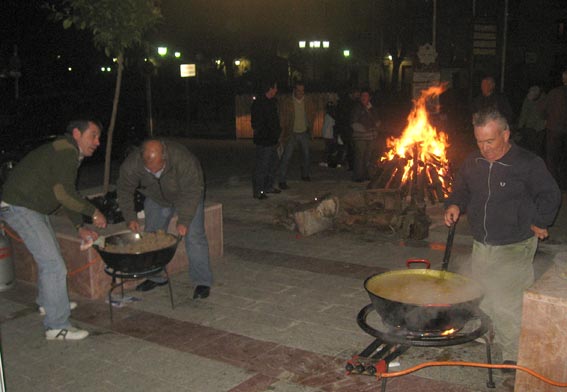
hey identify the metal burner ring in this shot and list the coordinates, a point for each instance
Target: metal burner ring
(423, 341)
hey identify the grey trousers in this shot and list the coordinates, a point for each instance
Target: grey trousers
(504, 271)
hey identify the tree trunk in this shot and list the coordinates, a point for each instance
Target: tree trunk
(108, 156)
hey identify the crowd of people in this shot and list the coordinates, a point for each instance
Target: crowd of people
(355, 137)
(351, 131)
(509, 191)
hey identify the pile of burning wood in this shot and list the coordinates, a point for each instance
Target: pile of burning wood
(415, 171)
(416, 163)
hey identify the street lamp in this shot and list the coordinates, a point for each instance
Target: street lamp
(314, 44)
(177, 55)
(162, 50)
(346, 53)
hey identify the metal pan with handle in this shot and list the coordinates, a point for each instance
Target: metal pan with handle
(424, 299)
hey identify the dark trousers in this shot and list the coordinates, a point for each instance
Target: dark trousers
(264, 172)
(532, 140)
(556, 155)
(363, 155)
(349, 153)
(330, 153)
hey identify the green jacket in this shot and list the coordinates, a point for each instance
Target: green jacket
(180, 186)
(45, 180)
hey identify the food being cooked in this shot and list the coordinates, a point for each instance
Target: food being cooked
(144, 242)
(422, 289)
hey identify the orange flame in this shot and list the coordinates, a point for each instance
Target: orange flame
(448, 332)
(431, 144)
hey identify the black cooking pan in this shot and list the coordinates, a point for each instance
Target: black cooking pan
(422, 299)
(135, 262)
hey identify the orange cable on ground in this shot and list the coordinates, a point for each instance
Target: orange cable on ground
(70, 273)
(472, 364)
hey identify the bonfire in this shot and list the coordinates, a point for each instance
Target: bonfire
(416, 163)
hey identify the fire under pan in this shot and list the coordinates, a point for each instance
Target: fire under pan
(392, 342)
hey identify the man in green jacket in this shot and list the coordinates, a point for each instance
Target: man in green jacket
(171, 179)
(40, 184)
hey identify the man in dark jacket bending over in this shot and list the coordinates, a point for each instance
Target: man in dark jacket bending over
(171, 179)
(510, 199)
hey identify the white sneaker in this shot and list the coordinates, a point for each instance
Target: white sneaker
(72, 305)
(70, 333)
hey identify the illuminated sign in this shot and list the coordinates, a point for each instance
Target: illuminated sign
(188, 70)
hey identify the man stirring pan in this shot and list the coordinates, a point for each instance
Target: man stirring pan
(39, 184)
(171, 179)
(510, 199)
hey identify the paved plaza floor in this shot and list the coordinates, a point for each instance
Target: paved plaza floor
(281, 315)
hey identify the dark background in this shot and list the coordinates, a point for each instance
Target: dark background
(266, 34)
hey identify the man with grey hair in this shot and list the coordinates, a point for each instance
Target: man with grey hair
(171, 179)
(510, 199)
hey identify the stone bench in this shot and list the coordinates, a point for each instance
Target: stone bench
(543, 338)
(92, 282)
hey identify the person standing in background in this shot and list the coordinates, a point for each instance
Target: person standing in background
(343, 130)
(489, 97)
(531, 124)
(328, 134)
(554, 111)
(365, 124)
(299, 111)
(266, 125)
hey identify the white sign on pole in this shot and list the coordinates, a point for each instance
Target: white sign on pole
(188, 70)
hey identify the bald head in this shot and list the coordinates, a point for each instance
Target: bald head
(153, 155)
